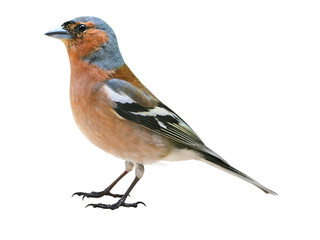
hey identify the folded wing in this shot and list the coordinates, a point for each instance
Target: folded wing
(141, 107)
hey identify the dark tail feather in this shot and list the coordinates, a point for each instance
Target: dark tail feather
(223, 165)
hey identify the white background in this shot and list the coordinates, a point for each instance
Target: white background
(243, 74)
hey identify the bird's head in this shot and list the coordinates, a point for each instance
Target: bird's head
(90, 39)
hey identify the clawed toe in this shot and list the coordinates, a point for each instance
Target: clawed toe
(106, 192)
(133, 204)
(97, 194)
(115, 205)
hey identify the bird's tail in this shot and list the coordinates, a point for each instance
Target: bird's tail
(223, 165)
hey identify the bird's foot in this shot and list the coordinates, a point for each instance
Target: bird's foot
(106, 192)
(116, 205)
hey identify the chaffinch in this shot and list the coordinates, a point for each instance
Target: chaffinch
(117, 113)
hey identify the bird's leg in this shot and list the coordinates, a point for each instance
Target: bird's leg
(121, 202)
(106, 192)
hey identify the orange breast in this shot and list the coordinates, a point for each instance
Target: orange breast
(102, 126)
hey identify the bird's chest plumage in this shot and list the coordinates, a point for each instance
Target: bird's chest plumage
(94, 115)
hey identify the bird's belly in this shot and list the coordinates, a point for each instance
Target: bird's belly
(120, 137)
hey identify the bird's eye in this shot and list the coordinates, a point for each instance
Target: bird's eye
(81, 27)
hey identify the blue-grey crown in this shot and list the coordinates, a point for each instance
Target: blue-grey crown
(108, 56)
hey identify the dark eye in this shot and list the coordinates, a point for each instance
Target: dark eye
(81, 27)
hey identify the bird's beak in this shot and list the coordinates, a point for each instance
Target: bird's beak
(59, 33)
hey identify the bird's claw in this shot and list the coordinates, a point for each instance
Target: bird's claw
(116, 205)
(97, 194)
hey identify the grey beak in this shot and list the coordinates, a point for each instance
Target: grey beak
(59, 33)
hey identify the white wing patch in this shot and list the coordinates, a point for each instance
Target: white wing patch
(159, 111)
(117, 97)
(154, 112)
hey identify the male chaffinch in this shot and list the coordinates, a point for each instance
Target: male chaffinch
(117, 113)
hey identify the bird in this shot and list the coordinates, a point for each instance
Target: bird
(118, 114)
